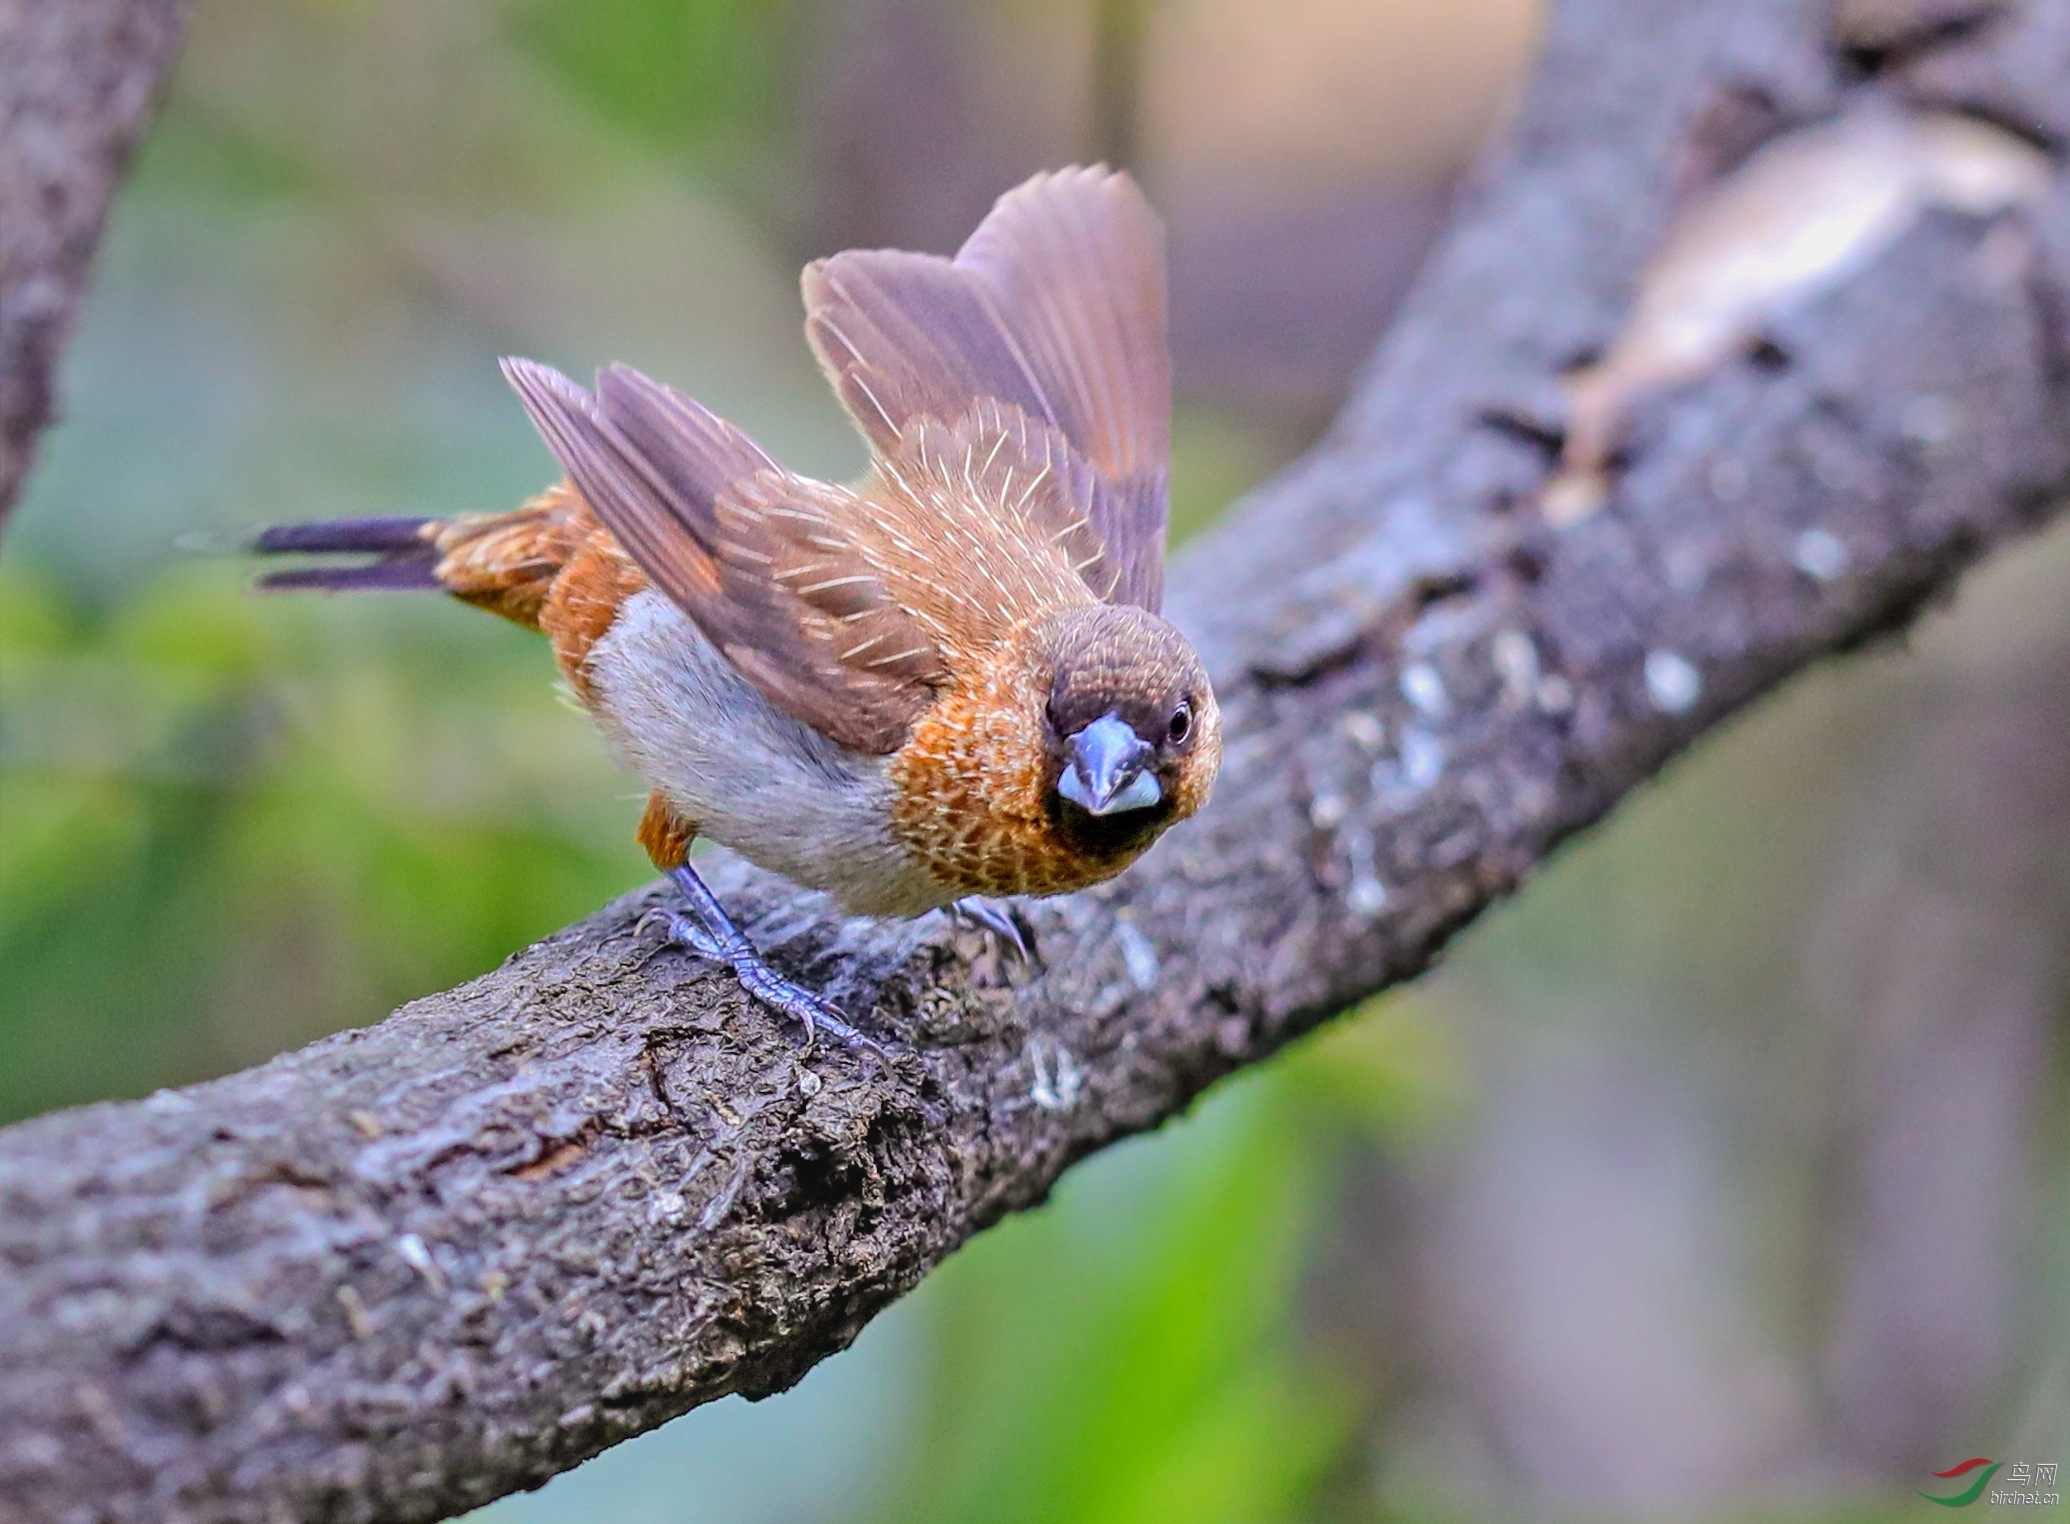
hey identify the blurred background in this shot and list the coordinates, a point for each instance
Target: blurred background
(1722, 1176)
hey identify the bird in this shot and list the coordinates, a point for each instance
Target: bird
(940, 686)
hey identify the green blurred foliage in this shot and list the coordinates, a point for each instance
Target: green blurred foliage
(712, 82)
(229, 826)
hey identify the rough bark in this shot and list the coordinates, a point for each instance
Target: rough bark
(77, 82)
(414, 1267)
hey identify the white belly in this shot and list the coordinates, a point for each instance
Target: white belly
(773, 789)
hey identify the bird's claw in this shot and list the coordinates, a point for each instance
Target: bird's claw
(996, 917)
(812, 1012)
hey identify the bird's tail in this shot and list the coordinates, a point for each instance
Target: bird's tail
(503, 562)
(393, 555)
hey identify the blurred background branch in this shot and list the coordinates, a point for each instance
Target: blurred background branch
(1714, 1176)
(77, 84)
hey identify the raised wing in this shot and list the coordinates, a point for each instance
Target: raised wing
(1055, 306)
(980, 526)
(761, 559)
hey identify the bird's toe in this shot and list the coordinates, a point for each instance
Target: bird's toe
(997, 918)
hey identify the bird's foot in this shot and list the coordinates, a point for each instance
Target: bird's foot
(995, 917)
(710, 932)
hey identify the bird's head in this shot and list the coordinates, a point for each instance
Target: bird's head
(1077, 742)
(1132, 737)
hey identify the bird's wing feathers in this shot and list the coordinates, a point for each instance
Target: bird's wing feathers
(1055, 306)
(983, 524)
(761, 559)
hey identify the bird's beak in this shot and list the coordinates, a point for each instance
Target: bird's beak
(1109, 769)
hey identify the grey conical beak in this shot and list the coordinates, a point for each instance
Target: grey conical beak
(1109, 769)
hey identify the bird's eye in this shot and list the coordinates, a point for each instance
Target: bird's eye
(1182, 723)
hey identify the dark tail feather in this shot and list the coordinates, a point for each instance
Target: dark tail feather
(326, 536)
(405, 561)
(381, 577)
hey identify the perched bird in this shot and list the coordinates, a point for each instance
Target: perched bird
(947, 680)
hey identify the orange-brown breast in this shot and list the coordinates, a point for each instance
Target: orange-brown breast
(968, 789)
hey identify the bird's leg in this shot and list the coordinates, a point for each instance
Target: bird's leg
(711, 932)
(995, 917)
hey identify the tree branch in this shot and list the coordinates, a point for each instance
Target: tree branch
(414, 1267)
(77, 82)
